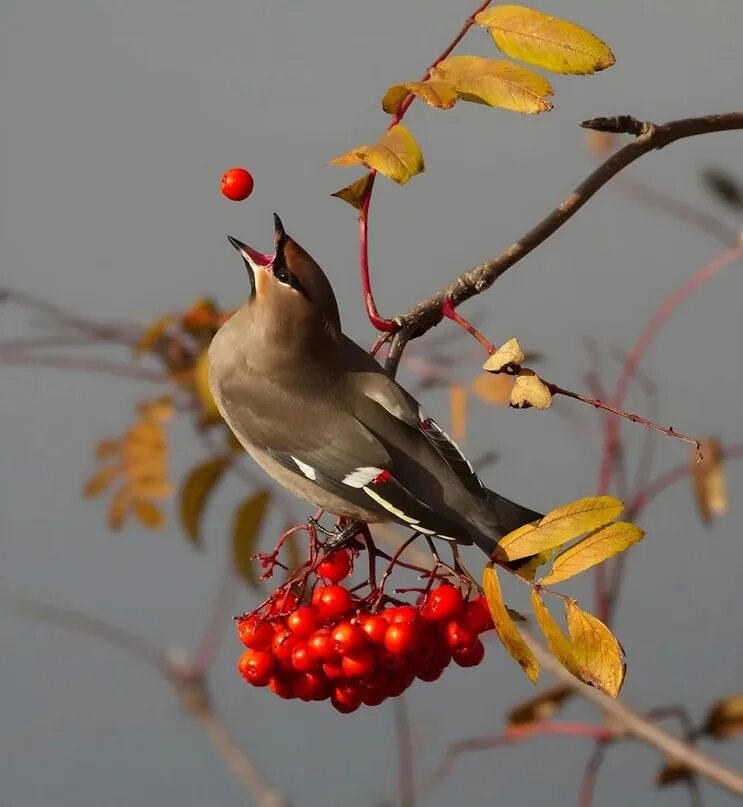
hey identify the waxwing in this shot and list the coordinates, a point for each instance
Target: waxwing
(327, 422)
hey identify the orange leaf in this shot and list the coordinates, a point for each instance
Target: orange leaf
(100, 481)
(119, 507)
(493, 389)
(458, 411)
(149, 514)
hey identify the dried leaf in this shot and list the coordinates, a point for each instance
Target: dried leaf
(545, 41)
(152, 335)
(673, 772)
(541, 707)
(356, 192)
(245, 528)
(595, 548)
(530, 390)
(725, 718)
(708, 477)
(119, 507)
(106, 449)
(201, 383)
(560, 526)
(458, 411)
(725, 187)
(100, 481)
(597, 652)
(396, 155)
(558, 642)
(493, 389)
(435, 92)
(149, 514)
(497, 83)
(508, 354)
(505, 627)
(195, 492)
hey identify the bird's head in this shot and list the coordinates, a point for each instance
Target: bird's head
(288, 288)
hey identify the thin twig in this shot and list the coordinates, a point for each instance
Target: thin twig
(590, 774)
(405, 761)
(25, 358)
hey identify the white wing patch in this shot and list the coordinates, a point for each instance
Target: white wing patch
(361, 476)
(387, 506)
(307, 470)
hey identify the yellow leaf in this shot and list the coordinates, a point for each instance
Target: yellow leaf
(545, 41)
(119, 507)
(458, 411)
(435, 92)
(530, 390)
(595, 548)
(152, 335)
(505, 627)
(558, 642)
(201, 382)
(495, 82)
(107, 448)
(528, 569)
(195, 492)
(507, 354)
(541, 707)
(396, 155)
(708, 476)
(597, 652)
(245, 528)
(356, 192)
(725, 719)
(560, 526)
(99, 481)
(149, 514)
(493, 389)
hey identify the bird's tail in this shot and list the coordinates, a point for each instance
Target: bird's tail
(503, 516)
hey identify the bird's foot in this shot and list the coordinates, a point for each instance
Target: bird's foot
(342, 534)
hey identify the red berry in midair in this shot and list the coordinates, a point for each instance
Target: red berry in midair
(336, 566)
(469, 655)
(237, 184)
(303, 621)
(255, 632)
(332, 601)
(443, 603)
(256, 667)
(400, 637)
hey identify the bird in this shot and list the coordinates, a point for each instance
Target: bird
(326, 421)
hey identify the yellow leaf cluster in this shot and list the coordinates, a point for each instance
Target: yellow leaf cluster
(396, 155)
(545, 41)
(138, 461)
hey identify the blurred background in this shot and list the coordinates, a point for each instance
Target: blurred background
(118, 122)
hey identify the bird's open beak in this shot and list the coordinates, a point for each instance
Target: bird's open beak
(254, 261)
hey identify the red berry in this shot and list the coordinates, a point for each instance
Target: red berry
(429, 672)
(457, 635)
(346, 698)
(255, 632)
(477, 616)
(311, 687)
(469, 655)
(400, 613)
(302, 659)
(376, 680)
(332, 601)
(358, 664)
(373, 697)
(283, 687)
(256, 667)
(443, 603)
(392, 662)
(303, 621)
(348, 637)
(398, 683)
(283, 644)
(321, 645)
(283, 603)
(374, 626)
(400, 637)
(336, 566)
(237, 184)
(333, 670)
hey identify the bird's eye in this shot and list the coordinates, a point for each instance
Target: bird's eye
(282, 274)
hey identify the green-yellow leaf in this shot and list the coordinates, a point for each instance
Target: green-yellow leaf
(194, 494)
(595, 548)
(558, 642)
(508, 354)
(100, 481)
(396, 155)
(245, 528)
(545, 41)
(505, 627)
(435, 92)
(497, 83)
(201, 382)
(560, 526)
(529, 390)
(356, 192)
(597, 652)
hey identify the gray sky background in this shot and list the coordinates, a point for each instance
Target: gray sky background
(118, 120)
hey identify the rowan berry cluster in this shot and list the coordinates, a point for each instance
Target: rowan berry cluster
(337, 647)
